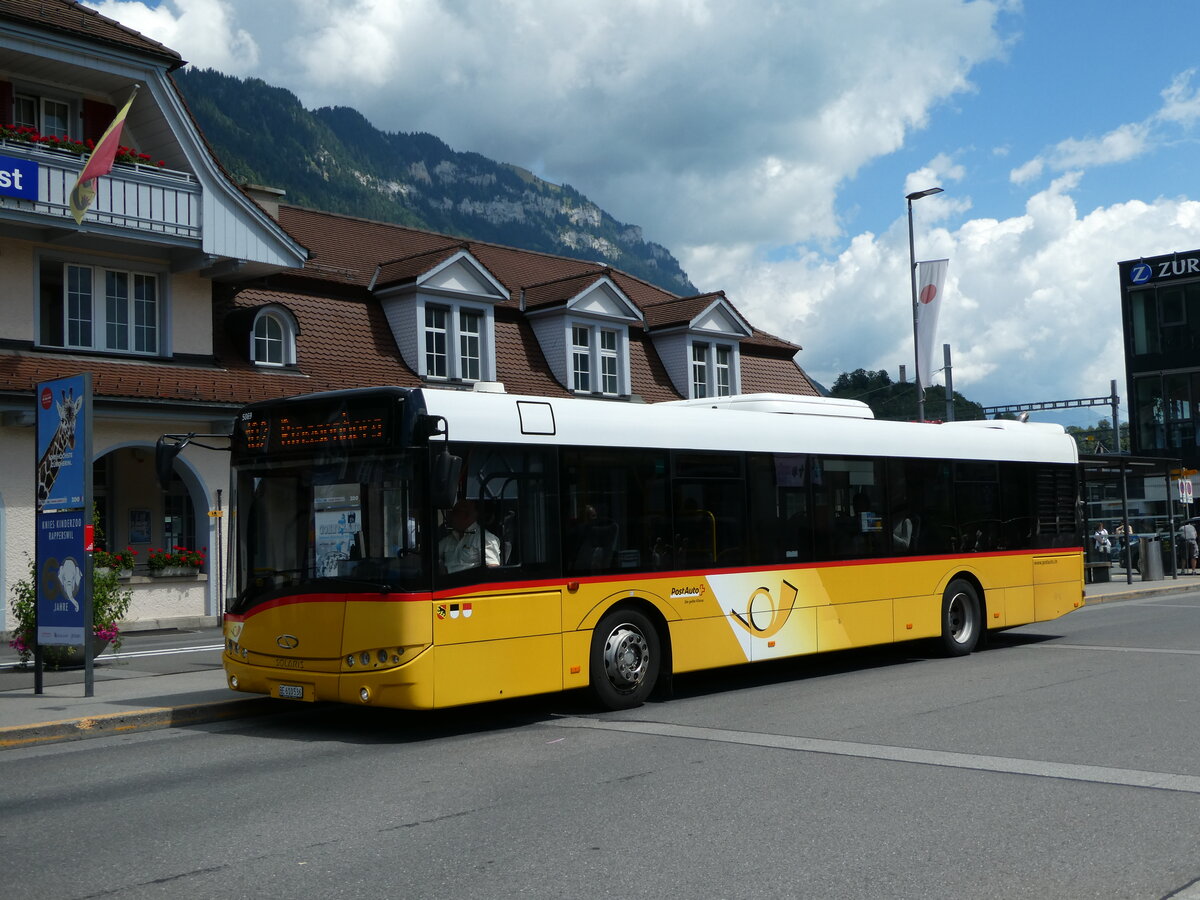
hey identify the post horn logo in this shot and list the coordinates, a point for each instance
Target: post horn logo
(764, 617)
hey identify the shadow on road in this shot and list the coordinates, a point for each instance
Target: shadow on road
(362, 725)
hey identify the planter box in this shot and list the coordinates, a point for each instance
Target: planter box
(70, 657)
(175, 572)
(123, 574)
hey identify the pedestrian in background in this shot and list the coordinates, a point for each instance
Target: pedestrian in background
(1190, 549)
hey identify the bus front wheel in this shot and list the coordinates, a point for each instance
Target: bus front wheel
(625, 659)
(962, 620)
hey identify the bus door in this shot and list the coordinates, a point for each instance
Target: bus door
(496, 634)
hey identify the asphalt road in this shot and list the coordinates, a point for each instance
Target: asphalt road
(1059, 763)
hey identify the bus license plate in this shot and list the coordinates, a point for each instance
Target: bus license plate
(291, 691)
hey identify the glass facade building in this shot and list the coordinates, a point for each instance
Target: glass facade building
(1160, 309)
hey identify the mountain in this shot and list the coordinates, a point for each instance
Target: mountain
(334, 160)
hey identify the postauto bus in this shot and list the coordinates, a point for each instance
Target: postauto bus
(425, 548)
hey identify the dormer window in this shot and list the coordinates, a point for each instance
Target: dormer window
(713, 369)
(699, 338)
(441, 308)
(454, 342)
(582, 324)
(273, 338)
(595, 358)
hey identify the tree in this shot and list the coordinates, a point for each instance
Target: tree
(1098, 438)
(897, 401)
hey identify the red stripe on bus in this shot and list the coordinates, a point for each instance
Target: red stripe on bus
(495, 586)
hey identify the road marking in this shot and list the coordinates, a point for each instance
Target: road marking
(1163, 781)
(167, 652)
(110, 657)
(1111, 649)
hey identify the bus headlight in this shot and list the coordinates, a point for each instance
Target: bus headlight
(364, 695)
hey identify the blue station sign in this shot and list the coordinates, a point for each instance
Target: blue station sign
(18, 178)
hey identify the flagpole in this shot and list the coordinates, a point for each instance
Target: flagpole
(912, 274)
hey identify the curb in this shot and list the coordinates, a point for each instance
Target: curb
(1134, 592)
(149, 719)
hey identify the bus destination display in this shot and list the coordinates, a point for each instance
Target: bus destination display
(345, 429)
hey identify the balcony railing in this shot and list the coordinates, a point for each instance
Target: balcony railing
(138, 197)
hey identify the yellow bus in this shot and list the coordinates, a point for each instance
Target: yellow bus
(427, 548)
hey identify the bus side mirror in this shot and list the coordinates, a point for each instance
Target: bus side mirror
(446, 471)
(164, 460)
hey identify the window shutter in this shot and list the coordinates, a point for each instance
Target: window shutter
(97, 116)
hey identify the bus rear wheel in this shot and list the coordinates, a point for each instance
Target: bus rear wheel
(625, 659)
(962, 620)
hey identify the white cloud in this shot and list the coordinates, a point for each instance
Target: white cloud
(202, 31)
(692, 118)
(1181, 101)
(1180, 110)
(1032, 309)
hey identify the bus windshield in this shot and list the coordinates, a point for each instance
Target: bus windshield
(346, 523)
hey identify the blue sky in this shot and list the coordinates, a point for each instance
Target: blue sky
(769, 146)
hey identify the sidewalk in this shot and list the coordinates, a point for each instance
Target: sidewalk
(131, 699)
(1120, 589)
(128, 696)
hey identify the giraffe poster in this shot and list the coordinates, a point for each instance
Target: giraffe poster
(62, 466)
(63, 518)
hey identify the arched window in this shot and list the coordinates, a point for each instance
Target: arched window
(273, 338)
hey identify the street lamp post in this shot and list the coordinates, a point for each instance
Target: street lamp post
(912, 274)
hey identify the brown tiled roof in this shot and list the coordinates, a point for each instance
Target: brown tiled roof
(650, 379)
(560, 290)
(761, 374)
(679, 311)
(348, 251)
(409, 268)
(342, 342)
(82, 22)
(169, 382)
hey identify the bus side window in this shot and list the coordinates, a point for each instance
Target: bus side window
(614, 511)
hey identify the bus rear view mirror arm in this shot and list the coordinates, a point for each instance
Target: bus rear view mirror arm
(170, 446)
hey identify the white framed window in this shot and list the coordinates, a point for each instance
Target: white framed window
(456, 342)
(713, 370)
(470, 346)
(436, 356)
(268, 341)
(91, 307)
(273, 337)
(25, 112)
(47, 116)
(597, 359)
(609, 382)
(699, 370)
(581, 358)
(723, 363)
(56, 118)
